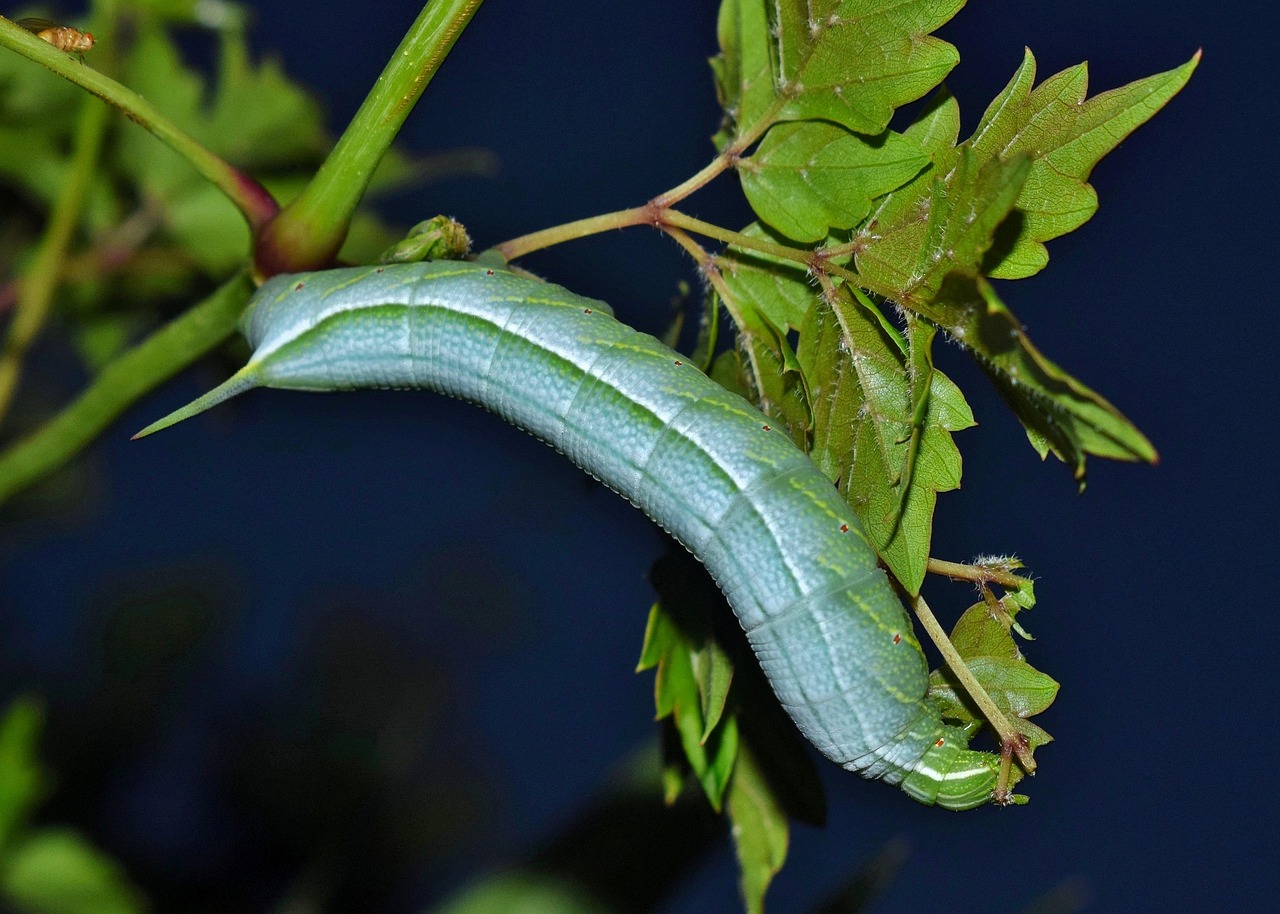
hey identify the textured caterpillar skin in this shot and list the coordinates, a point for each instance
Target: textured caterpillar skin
(788, 552)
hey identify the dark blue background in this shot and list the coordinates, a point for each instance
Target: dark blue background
(427, 536)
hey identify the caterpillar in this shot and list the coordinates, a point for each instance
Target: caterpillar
(787, 551)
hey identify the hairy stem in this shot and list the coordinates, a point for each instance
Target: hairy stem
(979, 574)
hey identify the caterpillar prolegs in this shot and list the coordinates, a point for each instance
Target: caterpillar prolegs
(788, 552)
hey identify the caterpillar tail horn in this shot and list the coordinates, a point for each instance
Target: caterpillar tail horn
(244, 379)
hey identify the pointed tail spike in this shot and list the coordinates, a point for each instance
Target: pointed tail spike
(244, 379)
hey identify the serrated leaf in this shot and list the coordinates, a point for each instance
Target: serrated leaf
(992, 656)
(1065, 136)
(56, 871)
(863, 430)
(760, 830)
(948, 231)
(745, 67)
(1015, 686)
(945, 236)
(259, 118)
(255, 118)
(808, 177)
(1061, 135)
(854, 61)
(1057, 409)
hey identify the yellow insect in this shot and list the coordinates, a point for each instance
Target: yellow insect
(62, 37)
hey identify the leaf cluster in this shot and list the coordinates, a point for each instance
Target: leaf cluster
(869, 242)
(724, 730)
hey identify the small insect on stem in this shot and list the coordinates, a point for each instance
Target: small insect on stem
(62, 37)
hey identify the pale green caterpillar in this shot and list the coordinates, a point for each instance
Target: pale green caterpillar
(788, 552)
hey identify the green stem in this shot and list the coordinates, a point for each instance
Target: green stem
(1009, 737)
(309, 232)
(35, 290)
(696, 182)
(250, 197)
(131, 376)
(570, 231)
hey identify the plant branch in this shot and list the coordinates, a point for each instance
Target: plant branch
(571, 231)
(309, 232)
(1010, 738)
(122, 383)
(978, 574)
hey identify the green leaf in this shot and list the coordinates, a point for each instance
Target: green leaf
(927, 254)
(760, 830)
(984, 641)
(979, 633)
(745, 68)
(864, 431)
(1064, 136)
(808, 177)
(208, 225)
(948, 231)
(22, 782)
(1017, 688)
(767, 298)
(854, 61)
(713, 669)
(56, 871)
(256, 119)
(1059, 412)
(780, 291)
(691, 672)
(850, 62)
(259, 118)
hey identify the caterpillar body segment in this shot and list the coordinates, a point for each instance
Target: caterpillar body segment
(784, 547)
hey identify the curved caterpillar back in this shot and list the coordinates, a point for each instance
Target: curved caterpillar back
(785, 548)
